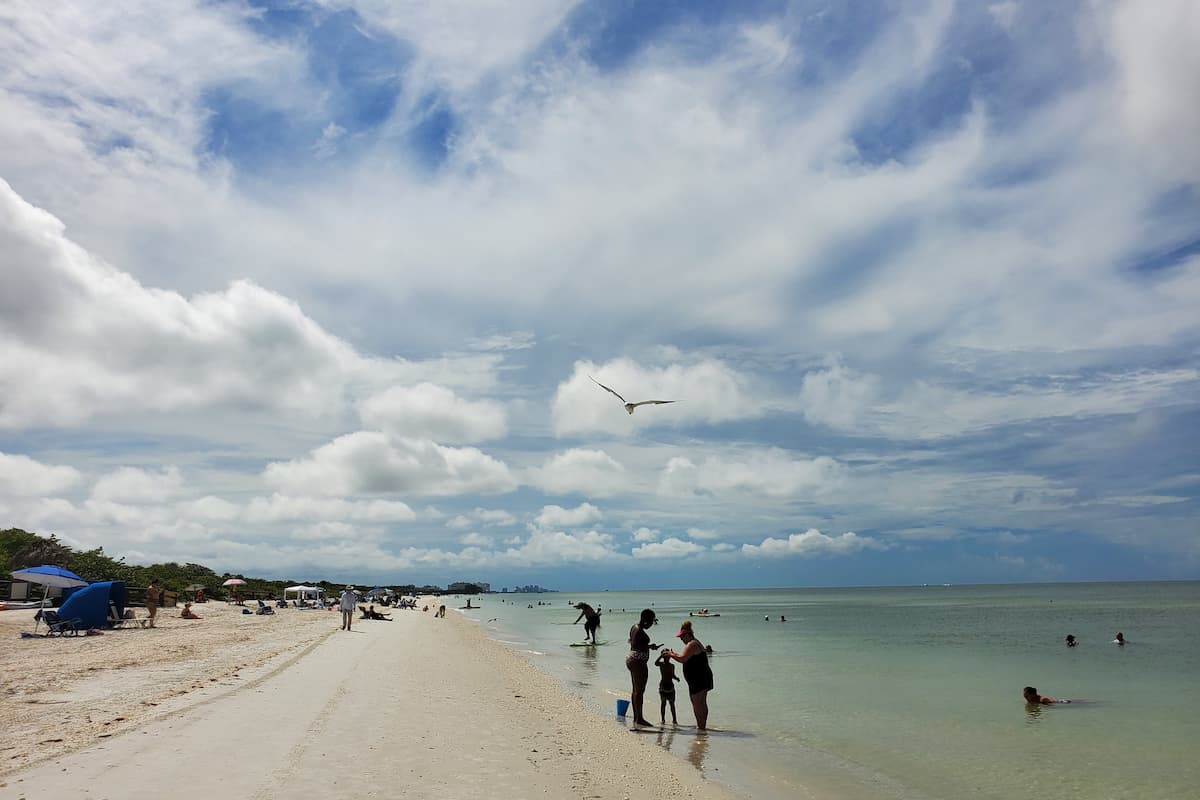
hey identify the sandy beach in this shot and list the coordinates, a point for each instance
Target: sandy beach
(269, 707)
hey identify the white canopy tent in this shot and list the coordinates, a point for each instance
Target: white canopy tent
(303, 593)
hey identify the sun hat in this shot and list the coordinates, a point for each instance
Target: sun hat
(686, 627)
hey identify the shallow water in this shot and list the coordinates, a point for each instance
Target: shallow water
(913, 692)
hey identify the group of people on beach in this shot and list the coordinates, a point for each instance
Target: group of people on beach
(696, 671)
(693, 658)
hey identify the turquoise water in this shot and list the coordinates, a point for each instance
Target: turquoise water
(914, 692)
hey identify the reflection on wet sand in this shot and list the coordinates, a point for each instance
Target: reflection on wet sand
(698, 750)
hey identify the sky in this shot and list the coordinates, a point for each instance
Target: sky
(323, 290)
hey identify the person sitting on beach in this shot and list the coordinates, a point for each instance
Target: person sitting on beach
(1120, 638)
(1034, 699)
(373, 614)
(1071, 640)
(591, 621)
(666, 687)
(187, 612)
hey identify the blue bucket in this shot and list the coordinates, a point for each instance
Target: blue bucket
(622, 707)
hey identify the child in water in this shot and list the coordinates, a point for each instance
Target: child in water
(666, 687)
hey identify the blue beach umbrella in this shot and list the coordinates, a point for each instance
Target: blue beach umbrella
(48, 575)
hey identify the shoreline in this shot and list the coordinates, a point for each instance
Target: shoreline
(432, 701)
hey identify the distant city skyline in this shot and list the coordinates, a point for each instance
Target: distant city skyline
(327, 289)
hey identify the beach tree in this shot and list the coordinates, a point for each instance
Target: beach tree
(37, 551)
(94, 565)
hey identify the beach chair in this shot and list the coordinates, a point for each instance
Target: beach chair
(56, 626)
(263, 608)
(117, 622)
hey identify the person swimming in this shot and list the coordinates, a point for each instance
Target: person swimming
(1120, 638)
(1071, 640)
(1033, 698)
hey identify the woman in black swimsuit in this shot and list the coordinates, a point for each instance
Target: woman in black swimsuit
(696, 672)
(638, 663)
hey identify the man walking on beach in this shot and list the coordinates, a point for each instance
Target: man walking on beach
(348, 602)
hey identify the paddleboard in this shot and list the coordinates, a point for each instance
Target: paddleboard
(587, 644)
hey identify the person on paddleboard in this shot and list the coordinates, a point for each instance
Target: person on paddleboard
(591, 621)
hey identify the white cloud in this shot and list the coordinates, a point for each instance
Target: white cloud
(366, 462)
(852, 401)
(557, 547)
(22, 475)
(927, 410)
(1155, 48)
(707, 391)
(559, 517)
(457, 44)
(1004, 13)
(1144, 500)
(426, 411)
(723, 547)
(667, 548)
(769, 472)
(476, 540)
(117, 346)
(593, 472)
(133, 485)
(287, 508)
(703, 534)
(837, 396)
(645, 535)
(210, 509)
(812, 543)
(487, 517)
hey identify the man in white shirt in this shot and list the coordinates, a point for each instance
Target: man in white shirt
(349, 601)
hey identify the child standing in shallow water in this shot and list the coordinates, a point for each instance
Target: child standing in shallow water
(666, 687)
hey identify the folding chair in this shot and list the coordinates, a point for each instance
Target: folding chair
(57, 626)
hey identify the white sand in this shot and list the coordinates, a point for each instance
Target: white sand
(279, 708)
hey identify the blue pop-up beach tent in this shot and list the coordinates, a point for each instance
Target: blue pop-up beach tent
(89, 604)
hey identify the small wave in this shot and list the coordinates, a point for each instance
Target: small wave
(534, 652)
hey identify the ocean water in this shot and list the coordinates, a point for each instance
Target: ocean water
(911, 692)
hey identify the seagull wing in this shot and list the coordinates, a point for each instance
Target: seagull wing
(605, 388)
(651, 402)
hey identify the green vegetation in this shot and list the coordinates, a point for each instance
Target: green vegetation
(20, 549)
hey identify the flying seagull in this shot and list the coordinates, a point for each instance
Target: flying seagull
(630, 406)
